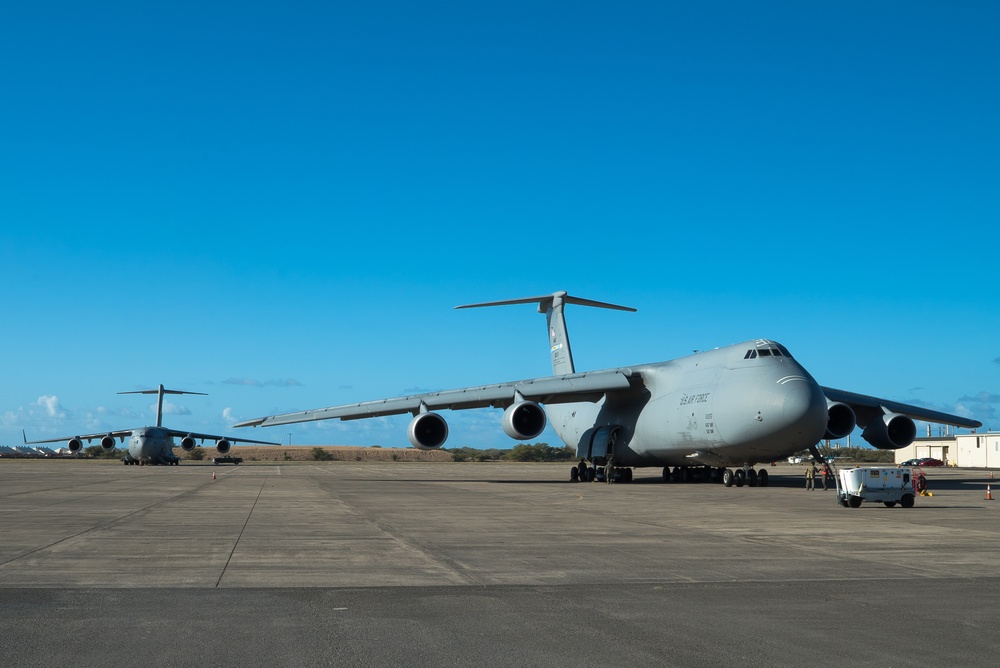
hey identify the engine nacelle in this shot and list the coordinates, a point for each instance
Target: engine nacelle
(841, 421)
(427, 431)
(890, 432)
(223, 445)
(523, 420)
(75, 445)
(187, 443)
(108, 442)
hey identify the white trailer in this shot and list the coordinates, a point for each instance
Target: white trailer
(886, 485)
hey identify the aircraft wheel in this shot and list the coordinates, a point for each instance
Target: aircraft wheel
(889, 504)
(762, 478)
(854, 502)
(751, 477)
(727, 477)
(666, 474)
(740, 476)
(906, 501)
(574, 475)
(628, 474)
(591, 474)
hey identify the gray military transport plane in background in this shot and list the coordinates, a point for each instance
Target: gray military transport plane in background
(151, 445)
(704, 414)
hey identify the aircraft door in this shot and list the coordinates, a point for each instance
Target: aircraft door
(603, 442)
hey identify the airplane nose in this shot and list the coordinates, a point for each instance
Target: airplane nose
(803, 410)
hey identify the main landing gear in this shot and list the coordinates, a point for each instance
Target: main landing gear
(747, 475)
(596, 473)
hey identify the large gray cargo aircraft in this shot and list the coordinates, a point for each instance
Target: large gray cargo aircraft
(151, 445)
(736, 406)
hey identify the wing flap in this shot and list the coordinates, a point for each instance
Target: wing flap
(554, 389)
(120, 434)
(867, 408)
(216, 437)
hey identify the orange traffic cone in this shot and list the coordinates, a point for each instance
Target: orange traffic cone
(213, 475)
(989, 495)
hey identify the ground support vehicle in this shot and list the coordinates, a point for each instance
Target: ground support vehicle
(227, 459)
(880, 485)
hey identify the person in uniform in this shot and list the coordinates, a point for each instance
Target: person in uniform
(827, 476)
(811, 471)
(609, 471)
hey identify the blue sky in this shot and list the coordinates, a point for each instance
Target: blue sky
(280, 203)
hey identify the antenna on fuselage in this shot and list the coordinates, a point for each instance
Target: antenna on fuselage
(552, 307)
(159, 392)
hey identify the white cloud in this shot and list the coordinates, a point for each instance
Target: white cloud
(284, 382)
(227, 415)
(171, 409)
(242, 381)
(51, 405)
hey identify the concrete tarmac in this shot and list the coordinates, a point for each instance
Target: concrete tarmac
(371, 564)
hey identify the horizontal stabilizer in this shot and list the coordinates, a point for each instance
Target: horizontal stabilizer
(544, 300)
(164, 392)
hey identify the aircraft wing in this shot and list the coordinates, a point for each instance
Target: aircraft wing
(590, 386)
(120, 434)
(868, 408)
(215, 437)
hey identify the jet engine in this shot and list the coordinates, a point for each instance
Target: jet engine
(890, 432)
(523, 420)
(187, 443)
(841, 421)
(108, 442)
(427, 431)
(223, 445)
(75, 445)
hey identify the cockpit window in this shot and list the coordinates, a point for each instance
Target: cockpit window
(767, 349)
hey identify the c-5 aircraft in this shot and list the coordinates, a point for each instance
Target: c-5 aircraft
(151, 445)
(701, 414)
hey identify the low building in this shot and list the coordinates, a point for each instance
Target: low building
(965, 450)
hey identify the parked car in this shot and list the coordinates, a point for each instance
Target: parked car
(911, 462)
(930, 461)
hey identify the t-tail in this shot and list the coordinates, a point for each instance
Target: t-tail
(552, 306)
(159, 392)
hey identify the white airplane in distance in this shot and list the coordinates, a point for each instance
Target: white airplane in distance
(701, 414)
(151, 445)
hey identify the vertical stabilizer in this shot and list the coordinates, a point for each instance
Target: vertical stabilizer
(159, 392)
(552, 306)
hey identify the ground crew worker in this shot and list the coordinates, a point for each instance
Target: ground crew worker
(827, 475)
(811, 471)
(609, 471)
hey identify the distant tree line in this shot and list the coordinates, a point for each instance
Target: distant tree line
(97, 452)
(855, 454)
(523, 452)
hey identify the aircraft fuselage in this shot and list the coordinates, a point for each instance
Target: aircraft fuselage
(151, 445)
(733, 406)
